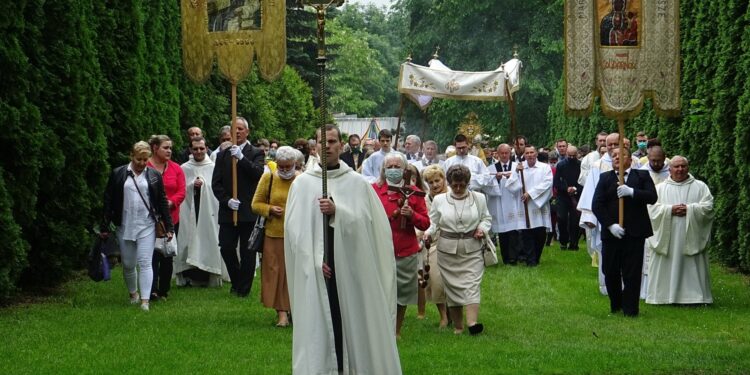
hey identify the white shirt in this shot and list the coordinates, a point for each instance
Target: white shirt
(372, 165)
(505, 206)
(424, 163)
(479, 174)
(136, 219)
(538, 179)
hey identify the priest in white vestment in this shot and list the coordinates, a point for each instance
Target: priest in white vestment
(364, 272)
(197, 241)
(537, 178)
(505, 206)
(591, 158)
(480, 176)
(682, 218)
(659, 172)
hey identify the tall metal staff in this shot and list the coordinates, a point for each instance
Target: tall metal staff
(320, 7)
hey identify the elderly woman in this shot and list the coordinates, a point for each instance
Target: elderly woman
(404, 215)
(270, 201)
(174, 187)
(435, 290)
(459, 222)
(134, 195)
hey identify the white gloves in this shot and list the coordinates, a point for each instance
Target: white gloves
(624, 191)
(234, 204)
(236, 152)
(617, 230)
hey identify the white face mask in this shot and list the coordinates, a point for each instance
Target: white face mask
(286, 175)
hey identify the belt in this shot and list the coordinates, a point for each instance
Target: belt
(456, 236)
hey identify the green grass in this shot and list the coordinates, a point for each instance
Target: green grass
(549, 319)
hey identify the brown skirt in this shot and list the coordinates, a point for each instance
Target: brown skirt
(274, 291)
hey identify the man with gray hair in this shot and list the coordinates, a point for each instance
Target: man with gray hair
(430, 156)
(225, 140)
(412, 148)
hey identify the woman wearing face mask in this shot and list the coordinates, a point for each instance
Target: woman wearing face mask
(274, 290)
(404, 217)
(460, 220)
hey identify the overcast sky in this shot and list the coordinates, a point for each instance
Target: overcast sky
(379, 3)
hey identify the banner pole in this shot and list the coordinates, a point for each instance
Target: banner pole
(621, 129)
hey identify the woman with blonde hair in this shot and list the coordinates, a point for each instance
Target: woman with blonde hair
(435, 289)
(133, 198)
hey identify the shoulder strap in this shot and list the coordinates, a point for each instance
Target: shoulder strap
(270, 185)
(150, 211)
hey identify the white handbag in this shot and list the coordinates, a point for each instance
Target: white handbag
(166, 248)
(488, 251)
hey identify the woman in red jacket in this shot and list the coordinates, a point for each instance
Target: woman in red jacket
(412, 213)
(174, 186)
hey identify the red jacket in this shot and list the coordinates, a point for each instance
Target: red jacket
(405, 242)
(174, 187)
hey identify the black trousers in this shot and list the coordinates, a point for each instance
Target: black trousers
(510, 246)
(162, 267)
(241, 271)
(622, 263)
(533, 241)
(567, 223)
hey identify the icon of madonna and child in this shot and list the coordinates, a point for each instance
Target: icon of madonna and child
(619, 22)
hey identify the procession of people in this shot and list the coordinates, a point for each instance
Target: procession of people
(346, 264)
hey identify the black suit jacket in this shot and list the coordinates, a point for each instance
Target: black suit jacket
(565, 177)
(249, 171)
(605, 203)
(348, 158)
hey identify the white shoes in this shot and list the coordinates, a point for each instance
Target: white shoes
(144, 306)
(135, 299)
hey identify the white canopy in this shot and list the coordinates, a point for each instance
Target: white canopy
(421, 83)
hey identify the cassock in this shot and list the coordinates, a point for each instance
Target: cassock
(197, 241)
(678, 270)
(365, 272)
(507, 211)
(479, 174)
(593, 235)
(539, 186)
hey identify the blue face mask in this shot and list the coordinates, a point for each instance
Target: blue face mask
(272, 153)
(394, 175)
(642, 145)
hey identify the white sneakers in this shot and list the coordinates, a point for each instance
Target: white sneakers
(135, 299)
(144, 306)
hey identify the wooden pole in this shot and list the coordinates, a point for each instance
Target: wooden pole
(398, 124)
(512, 108)
(621, 177)
(234, 141)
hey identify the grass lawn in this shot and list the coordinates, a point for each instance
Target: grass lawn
(549, 319)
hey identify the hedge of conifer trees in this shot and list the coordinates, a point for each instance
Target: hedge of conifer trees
(80, 82)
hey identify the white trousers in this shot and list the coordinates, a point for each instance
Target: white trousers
(138, 252)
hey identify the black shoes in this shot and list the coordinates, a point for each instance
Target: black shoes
(476, 329)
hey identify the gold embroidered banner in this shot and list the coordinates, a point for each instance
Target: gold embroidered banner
(235, 32)
(622, 51)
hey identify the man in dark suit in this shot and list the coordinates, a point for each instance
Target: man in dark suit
(622, 246)
(568, 192)
(354, 157)
(250, 163)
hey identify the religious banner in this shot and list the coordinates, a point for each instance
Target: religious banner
(422, 83)
(622, 51)
(235, 32)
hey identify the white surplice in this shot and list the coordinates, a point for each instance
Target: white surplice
(372, 165)
(505, 206)
(479, 174)
(538, 180)
(198, 245)
(365, 272)
(658, 177)
(593, 235)
(678, 270)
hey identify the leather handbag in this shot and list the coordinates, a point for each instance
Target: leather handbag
(489, 252)
(255, 243)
